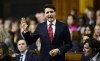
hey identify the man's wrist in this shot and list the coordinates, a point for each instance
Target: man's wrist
(25, 31)
(58, 51)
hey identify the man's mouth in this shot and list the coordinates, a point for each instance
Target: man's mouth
(50, 17)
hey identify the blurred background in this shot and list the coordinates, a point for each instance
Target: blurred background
(25, 8)
(21, 8)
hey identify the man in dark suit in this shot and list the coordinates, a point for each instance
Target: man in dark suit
(91, 50)
(54, 35)
(25, 54)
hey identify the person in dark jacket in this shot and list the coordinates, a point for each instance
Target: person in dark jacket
(54, 35)
(4, 52)
(24, 53)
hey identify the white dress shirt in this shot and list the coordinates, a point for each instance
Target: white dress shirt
(95, 57)
(24, 55)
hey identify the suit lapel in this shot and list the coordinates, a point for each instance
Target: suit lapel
(98, 57)
(46, 30)
(27, 56)
(18, 58)
(56, 31)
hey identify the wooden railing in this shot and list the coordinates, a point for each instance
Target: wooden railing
(71, 56)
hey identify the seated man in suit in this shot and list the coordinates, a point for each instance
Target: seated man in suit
(25, 54)
(92, 49)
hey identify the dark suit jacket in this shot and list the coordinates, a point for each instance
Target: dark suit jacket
(29, 57)
(86, 58)
(98, 57)
(6, 58)
(61, 40)
(93, 22)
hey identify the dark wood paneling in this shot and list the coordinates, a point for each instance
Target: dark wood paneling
(64, 6)
(96, 4)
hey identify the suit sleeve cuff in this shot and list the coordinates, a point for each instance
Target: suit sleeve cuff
(59, 53)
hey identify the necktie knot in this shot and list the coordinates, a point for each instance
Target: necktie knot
(50, 23)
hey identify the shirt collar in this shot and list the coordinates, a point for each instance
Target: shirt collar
(95, 57)
(24, 52)
(54, 22)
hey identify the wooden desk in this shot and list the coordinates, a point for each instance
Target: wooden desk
(70, 56)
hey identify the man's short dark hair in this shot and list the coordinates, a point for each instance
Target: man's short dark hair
(93, 43)
(50, 6)
(21, 38)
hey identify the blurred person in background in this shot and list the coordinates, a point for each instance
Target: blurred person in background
(70, 21)
(87, 9)
(6, 37)
(76, 42)
(90, 18)
(40, 17)
(15, 33)
(37, 45)
(74, 13)
(1, 24)
(88, 31)
(32, 25)
(84, 39)
(98, 17)
(4, 56)
(91, 50)
(81, 25)
(97, 32)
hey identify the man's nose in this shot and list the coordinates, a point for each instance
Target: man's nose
(21, 45)
(49, 13)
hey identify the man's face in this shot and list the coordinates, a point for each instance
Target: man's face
(97, 30)
(50, 14)
(87, 50)
(22, 46)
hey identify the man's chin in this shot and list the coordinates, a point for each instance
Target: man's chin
(51, 19)
(86, 54)
(22, 51)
